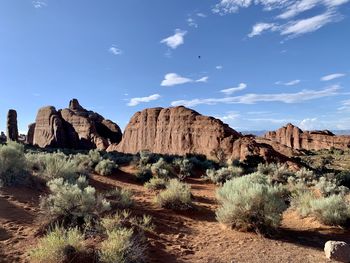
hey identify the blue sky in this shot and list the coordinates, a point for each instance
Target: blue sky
(255, 64)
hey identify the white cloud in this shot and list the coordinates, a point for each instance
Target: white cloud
(333, 76)
(39, 4)
(172, 79)
(230, 91)
(309, 124)
(201, 15)
(203, 79)
(219, 67)
(345, 106)
(175, 40)
(137, 101)
(259, 28)
(253, 98)
(230, 116)
(191, 22)
(115, 51)
(289, 83)
(311, 24)
(289, 9)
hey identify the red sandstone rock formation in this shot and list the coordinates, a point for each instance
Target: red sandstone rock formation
(181, 131)
(74, 127)
(295, 138)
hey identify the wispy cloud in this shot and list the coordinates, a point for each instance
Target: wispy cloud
(201, 15)
(289, 9)
(309, 124)
(115, 51)
(203, 79)
(137, 101)
(332, 76)
(175, 40)
(345, 105)
(230, 91)
(259, 28)
(39, 4)
(172, 79)
(191, 22)
(253, 98)
(219, 67)
(288, 83)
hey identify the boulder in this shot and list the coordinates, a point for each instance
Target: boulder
(338, 251)
(30, 134)
(295, 138)
(74, 127)
(181, 131)
(12, 128)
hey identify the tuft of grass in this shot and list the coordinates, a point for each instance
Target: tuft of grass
(120, 198)
(156, 183)
(177, 196)
(59, 245)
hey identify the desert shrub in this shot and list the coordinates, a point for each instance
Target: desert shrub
(56, 165)
(83, 161)
(120, 198)
(95, 157)
(330, 186)
(119, 158)
(223, 174)
(343, 178)
(123, 246)
(57, 246)
(177, 195)
(146, 157)
(144, 174)
(162, 169)
(156, 183)
(305, 176)
(330, 210)
(201, 162)
(126, 241)
(183, 167)
(277, 173)
(250, 203)
(13, 164)
(105, 167)
(73, 202)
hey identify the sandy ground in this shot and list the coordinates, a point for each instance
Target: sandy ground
(193, 236)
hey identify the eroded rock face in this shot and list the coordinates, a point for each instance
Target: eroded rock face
(74, 127)
(295, 138)
(12, 128)
(30, 134)
(181, 131)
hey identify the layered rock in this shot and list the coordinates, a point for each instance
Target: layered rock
(295, 138)
(12, 128)
(181, 131)
(30, 134)
(74, 127)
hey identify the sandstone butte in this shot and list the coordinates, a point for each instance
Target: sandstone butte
(74, 127)
(295, 138)
(180, 131)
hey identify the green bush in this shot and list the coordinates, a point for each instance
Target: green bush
(277, 173)
(177, 195)
(330, 186)
(95, 157)
(72, 202)
(122, 246)
(223, 174)
(201, 162)
(156, 183)
(105, 167)
(58, 246)
(162, 169)
(250, 203)
(120, 198)
(183, 167)
(13, 164)
(144, 174)
(330, 210)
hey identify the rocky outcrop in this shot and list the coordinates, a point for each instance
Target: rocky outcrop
(295, 138)
(30, 134)
(181, 131)
(12, 128)
(74, 127)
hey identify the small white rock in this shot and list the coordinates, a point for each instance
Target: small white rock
(337, 250)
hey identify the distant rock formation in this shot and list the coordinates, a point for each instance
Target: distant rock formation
(12, 128)
(74, 127)
(181, 131)
(295, 138)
